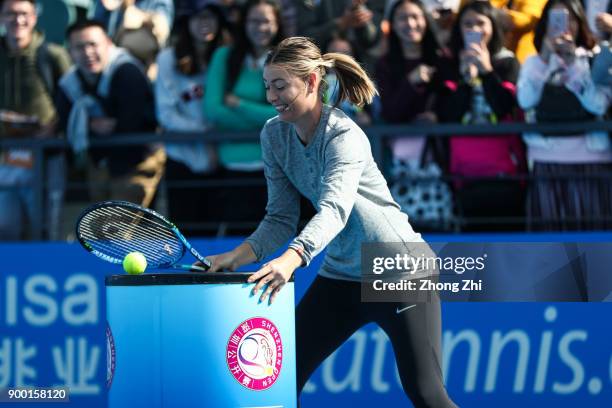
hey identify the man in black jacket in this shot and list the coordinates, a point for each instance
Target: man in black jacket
(107, 95)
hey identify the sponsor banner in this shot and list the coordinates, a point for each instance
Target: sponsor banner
(494, 354)
(53, 333)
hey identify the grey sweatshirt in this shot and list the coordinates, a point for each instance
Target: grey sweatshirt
(337, 173)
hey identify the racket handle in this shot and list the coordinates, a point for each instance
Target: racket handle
(190, 268)
(205, 262)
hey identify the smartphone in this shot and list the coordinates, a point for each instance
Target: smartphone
(472, 37)
(558, 22)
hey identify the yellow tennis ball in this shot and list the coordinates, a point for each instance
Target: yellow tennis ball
(134, 263)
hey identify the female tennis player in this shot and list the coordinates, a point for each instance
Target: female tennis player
(315, 150)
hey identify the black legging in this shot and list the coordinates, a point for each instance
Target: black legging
(334, 307)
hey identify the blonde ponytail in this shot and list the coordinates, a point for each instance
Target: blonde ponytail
(301, 57)
(355, 85)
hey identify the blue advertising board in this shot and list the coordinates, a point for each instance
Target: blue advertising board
(52, 333)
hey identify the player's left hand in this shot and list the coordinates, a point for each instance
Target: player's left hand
(275, 274)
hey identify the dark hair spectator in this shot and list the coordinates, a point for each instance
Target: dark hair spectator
(478, 89)
(484, 62)
(29, 70)
(235, 99)
(406, 76)
(480, 7)
(179, 95)
(189, 59)
(556, 86)
(583, 37)
(243, 43)
(106, 94)
(82, 25)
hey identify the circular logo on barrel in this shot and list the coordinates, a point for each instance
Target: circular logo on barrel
(110, 356)
(255, 353)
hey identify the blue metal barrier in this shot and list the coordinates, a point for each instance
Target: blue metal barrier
(378, 135)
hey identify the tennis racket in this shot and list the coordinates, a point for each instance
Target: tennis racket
(112, 229)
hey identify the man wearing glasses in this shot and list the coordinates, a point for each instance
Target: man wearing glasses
(29, 71)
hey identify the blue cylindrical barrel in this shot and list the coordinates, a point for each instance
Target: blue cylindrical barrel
(198, 340)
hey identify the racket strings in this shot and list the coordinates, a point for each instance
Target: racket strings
(124, 226)
(118, 248)
(135, 217)
(117, 231)
(156, 249)
(140, 215)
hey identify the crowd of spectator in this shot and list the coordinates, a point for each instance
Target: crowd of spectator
(142, 66)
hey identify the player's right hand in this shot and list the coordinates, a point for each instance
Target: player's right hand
(221, 262)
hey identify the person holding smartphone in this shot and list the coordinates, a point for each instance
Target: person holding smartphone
(407, 80)
(556, 86)
(478, 88)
